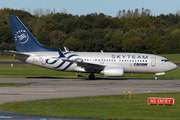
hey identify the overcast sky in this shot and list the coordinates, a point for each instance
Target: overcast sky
(84, 7)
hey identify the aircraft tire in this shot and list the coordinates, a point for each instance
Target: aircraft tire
(91, 76)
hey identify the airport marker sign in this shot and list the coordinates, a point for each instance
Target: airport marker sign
(164, 101)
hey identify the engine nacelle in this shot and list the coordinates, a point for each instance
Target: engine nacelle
(113, 71)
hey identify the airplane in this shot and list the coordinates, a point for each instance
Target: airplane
(110, 64)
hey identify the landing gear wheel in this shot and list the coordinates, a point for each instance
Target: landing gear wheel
(91, 76)
(155, 77)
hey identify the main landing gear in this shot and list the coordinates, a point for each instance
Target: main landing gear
(91, 76)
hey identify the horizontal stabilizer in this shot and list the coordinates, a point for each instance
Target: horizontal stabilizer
(16, 53)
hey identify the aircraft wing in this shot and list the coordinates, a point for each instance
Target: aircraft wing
(17, 53)
(87, 66)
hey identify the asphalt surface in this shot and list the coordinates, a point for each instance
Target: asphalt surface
(47, 88)
(13, 116)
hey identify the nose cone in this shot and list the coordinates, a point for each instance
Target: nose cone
(173, 66)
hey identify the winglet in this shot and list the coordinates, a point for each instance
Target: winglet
(61, 55)
(66, 49)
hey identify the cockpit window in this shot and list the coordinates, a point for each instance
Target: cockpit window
(164, 60)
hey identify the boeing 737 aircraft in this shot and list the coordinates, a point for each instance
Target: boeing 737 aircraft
(110, 64)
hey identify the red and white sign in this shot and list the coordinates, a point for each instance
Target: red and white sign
(167, 101)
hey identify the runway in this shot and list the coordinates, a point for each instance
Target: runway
(47, 88)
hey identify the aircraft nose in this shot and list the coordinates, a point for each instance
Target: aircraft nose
(173, 66)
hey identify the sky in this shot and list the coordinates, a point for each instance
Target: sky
(84, 7)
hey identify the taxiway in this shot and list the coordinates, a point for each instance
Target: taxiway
(47, 88)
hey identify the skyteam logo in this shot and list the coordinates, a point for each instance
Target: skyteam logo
(21, 36)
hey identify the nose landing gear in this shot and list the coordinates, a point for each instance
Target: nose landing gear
(155, 77)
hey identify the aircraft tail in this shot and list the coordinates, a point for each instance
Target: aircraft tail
(24, 40)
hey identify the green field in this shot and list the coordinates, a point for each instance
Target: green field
(23, 71)
(13, 84)
(175, 58)
(112, 107)
(8, 59)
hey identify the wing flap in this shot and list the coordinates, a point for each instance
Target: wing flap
(85, 64)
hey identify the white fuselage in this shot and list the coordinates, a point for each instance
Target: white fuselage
(131, 62)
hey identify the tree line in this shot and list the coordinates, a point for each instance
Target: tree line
(129, 31)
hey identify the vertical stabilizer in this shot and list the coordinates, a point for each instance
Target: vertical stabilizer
(24, 40)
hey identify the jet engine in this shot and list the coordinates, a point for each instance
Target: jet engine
(113, 71)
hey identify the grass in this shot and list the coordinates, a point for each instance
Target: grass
(112, 107)
(175, 58)
(13, 84)
(23, 71)
(8, 59)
